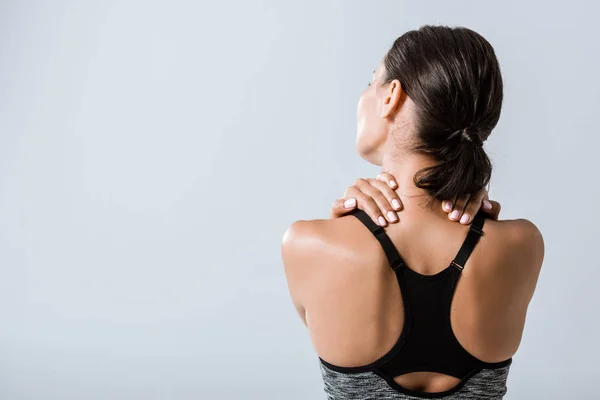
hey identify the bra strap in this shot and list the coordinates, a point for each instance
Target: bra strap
(389, 249)
(475, 232)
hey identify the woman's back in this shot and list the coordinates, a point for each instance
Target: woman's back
(355, 308)
(435, 98)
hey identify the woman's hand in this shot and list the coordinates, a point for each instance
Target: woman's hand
(464, 208)
(377, 197)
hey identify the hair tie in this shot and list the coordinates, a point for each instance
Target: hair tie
(472, 136)
(467, 134)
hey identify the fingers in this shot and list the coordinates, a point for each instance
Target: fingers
(459, 208)
(387, 178)
(390, 194)
(447, 204)
(466, 207)
(474, 203)
(368, 205)
(342, 206)
(374, 196)
(371, 200)
(494, 212)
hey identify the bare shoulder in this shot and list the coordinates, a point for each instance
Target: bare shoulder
(315, 252)
(307, 241)
(302, 239)
(325, 229)
(515, 255)
(524, 237)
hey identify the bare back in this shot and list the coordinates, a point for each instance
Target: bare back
(353, 305)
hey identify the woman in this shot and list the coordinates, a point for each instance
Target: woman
(423, 308)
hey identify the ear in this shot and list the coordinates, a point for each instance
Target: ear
(391, 100)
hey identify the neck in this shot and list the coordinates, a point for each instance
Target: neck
(403, 166)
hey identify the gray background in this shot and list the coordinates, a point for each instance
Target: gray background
(152, 154)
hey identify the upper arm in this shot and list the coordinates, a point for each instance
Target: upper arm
(530, 243)
(525, 259)
(505, 286)
(298, 253)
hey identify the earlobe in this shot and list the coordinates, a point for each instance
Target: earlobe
(392, 99)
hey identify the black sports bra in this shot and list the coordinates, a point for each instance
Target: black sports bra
(427, 342)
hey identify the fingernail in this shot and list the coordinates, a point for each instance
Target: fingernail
(350, 203)
(396, 204)
(454, 214)
(447, 205)
(393, 183)
(487, 205)
(392, 216)
(464, 219)
(381, 221)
